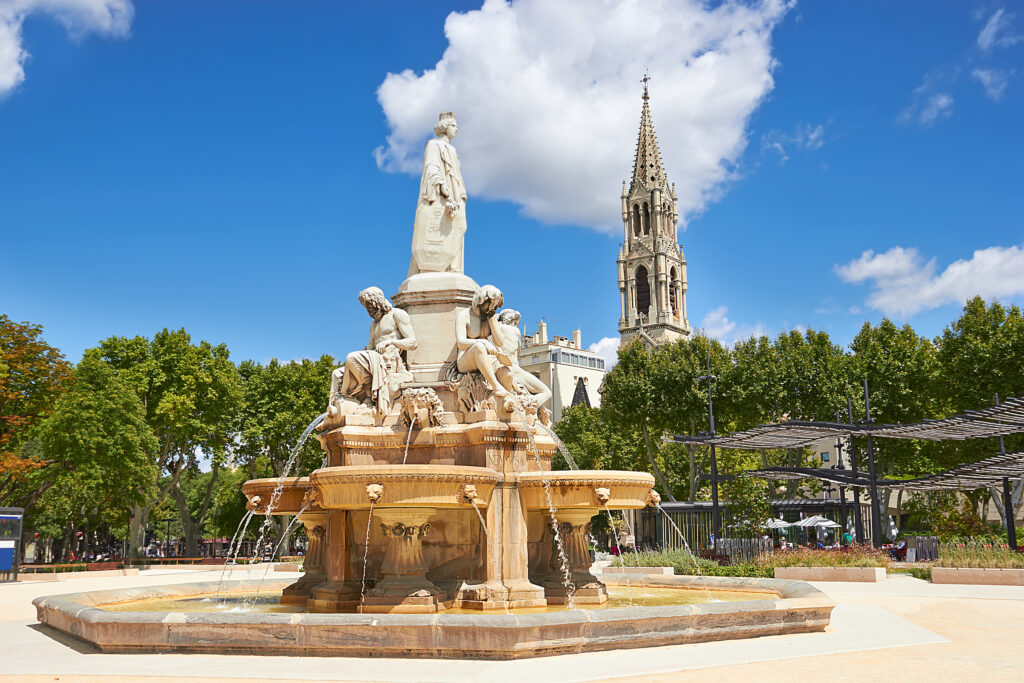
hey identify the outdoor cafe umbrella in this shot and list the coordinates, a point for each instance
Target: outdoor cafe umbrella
(818, 521)
(778, 524)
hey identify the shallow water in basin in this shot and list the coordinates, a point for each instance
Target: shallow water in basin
(268, 602)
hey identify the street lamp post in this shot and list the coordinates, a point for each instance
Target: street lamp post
(716, 515)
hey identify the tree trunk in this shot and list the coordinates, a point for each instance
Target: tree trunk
(137, 531)
(190, 527)
(655, 470)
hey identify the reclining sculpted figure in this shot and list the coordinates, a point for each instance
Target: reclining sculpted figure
(373, 376)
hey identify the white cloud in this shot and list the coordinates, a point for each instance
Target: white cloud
(607, 348)
(548, 98)
(994, 33)
(717, 324)
(79, 17)
(939, 105)
(805, 137)
(903, 283)
(855, 310)
(993, 80)
(928, 103)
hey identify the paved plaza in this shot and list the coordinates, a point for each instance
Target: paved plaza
(902, 627)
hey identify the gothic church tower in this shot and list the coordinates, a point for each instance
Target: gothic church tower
(652, 268)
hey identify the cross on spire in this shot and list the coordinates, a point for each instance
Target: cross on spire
(644, 80)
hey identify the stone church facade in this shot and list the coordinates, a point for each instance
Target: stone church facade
(651, 264)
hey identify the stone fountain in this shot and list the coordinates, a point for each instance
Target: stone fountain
(435, 493)
(438, 493)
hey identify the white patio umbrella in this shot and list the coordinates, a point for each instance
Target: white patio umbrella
(778, 524)
(818, 521)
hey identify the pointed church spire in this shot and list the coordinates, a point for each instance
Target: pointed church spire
(648, 172)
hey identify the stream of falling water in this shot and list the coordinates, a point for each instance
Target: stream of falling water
(248, 604)
(561, 447)
(408, 438)
(276, 495)
(693, 558)
(611, 524)
(233, 549)
(366, 555)
(483, 524)
(563, 559)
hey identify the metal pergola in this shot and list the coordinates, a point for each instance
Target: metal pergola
(995, 421)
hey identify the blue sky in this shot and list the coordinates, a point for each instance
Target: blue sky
(237, 169)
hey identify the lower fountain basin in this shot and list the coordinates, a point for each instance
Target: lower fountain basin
(786, 607)
(403, 486)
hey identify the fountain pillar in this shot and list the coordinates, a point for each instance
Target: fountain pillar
(313, 564)
(573, 526)
(403, 586)
(340, 592)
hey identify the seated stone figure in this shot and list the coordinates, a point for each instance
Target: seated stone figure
(373, 375)
(508, 320)
(479, 338)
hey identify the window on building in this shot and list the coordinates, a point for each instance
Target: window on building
(636, 220)
(824, 457)
(643, 293)
(672, 302)
(647, 220)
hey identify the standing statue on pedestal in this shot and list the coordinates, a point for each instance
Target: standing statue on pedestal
(374, 375)
(440, 223)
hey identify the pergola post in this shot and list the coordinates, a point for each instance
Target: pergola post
(876, 515)
(1011, 525)
(858, 518)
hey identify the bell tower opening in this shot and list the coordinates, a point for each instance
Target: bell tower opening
(643, 293)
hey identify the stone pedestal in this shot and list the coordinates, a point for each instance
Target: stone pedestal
(432, 301)
(573, 526)
(316, 530)
(403, 586)
(339, 592)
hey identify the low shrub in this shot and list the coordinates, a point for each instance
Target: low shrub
(979, 553)
(763, 567)
(852, 556)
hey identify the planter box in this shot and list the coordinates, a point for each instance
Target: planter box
(639, 571)
(859, 574)
(992, 577)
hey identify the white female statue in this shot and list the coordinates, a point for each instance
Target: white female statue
(440, 223)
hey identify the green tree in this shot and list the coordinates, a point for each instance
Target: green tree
(98, 443)
(191, 394)
(979, 355)
(280, 400)
(33, 375)
(899, 366)
(594, 443)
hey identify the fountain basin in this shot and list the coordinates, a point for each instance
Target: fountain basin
(787, 607)
(289, 502)
(585, 489)
(404, 486)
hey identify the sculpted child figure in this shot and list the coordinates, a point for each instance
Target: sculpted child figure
(508, 321)
(373, 374)
(479, 338)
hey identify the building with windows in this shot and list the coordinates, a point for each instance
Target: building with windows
(573, 373)
(652, 268)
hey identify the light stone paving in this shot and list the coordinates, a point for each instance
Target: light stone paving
(901, 626)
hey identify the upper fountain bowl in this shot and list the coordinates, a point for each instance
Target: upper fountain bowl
(586, 489)
(353, 487)
(259, 492)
